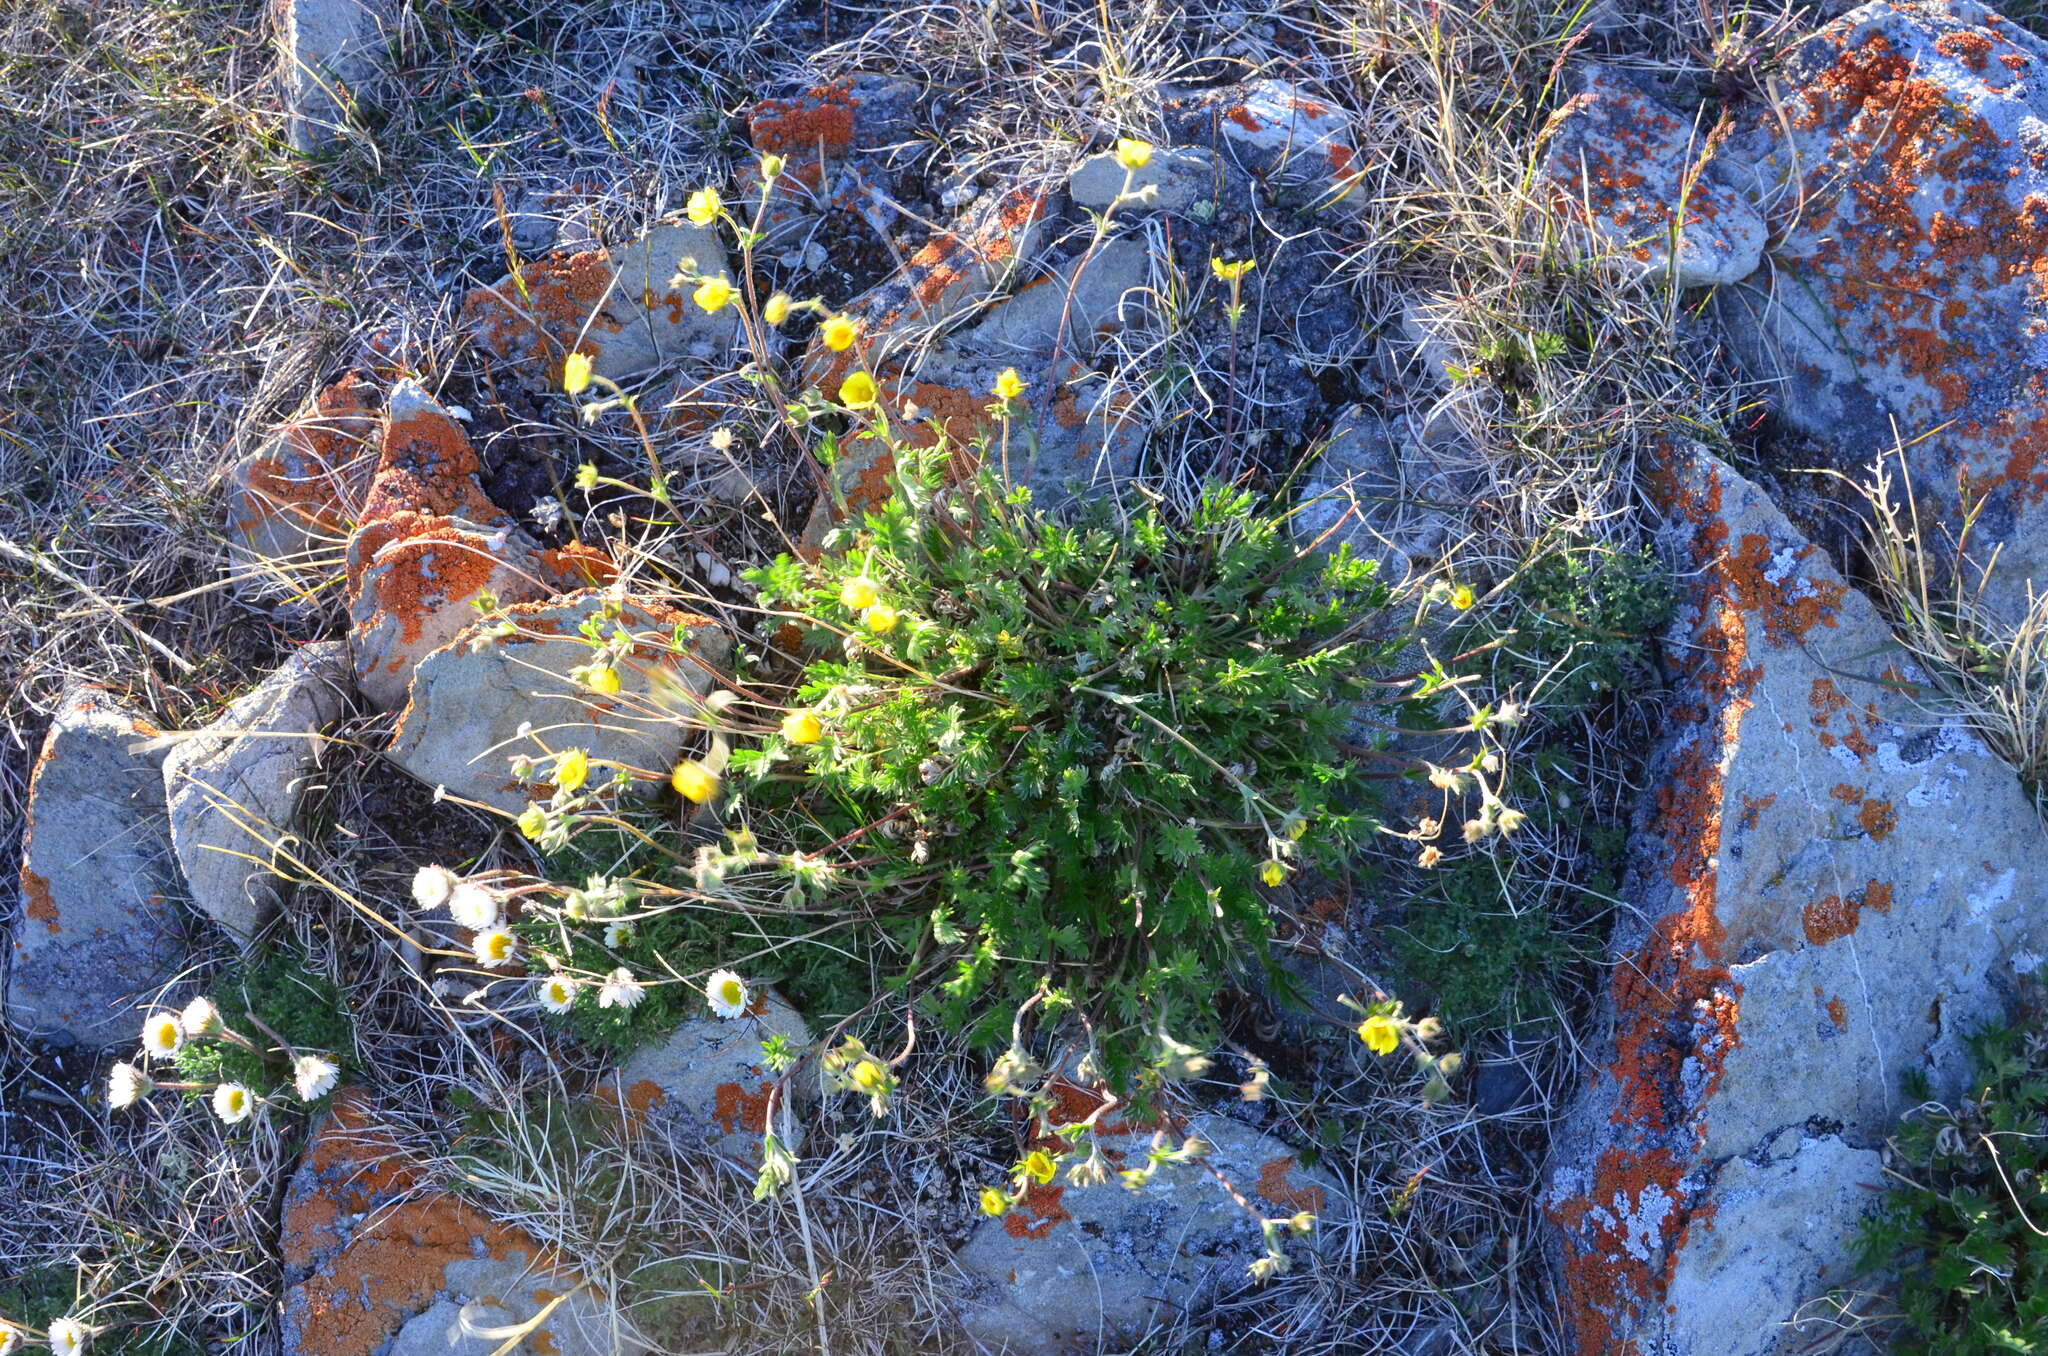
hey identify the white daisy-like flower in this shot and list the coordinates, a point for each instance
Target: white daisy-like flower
(232, 1103)
(126, 1085)
(314, 1076)
(620, 990)
(10, 1339)
(162, 1035)
(200, 1017)
(617, 934)
(473, 907)
(557, 993)
(431, 886)
(495, 947)
(727, 993)
(68, 1337)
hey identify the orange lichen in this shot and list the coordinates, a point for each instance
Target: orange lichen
(1834, 916)
(35, 893)
(536, 318)
(735, 1109)
(1034, 1216)
(822, 119)
(1276, 1185)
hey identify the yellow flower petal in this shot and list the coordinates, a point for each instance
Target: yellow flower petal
(859, 593)
(576, 370)
(858, 392)
(838, 332)
(803, 727)
(694, 782)
(1132, 153)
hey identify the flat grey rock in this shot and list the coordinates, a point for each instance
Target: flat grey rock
(98, 884)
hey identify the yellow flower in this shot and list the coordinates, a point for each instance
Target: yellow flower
(605, 680)
(838, 332)
(1272, 873)
(1382, 1035)
(1132, 153)
(533, 822)
(868, 1075)
(713, 294)
(881, 619)
(777, 309)
(1039, 1167)
(1462, 597)
(694, 782)
(858, 391)
(703, 209)
(572, 769)
(576, 373)
(1009, 385)
(771, 166)
(859, 593)
(1231, 272)
(803, 727)
(994, 1203)
(586, 477)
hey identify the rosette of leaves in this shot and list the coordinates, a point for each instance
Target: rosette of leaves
(1962, 1224)
(1077, 754)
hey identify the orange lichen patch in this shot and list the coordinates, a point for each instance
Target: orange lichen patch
(1971, 48)
(735, 1109)
(1878, 818)
(313, 476)
(1834, 916)
(1276, 1185)
(577, 566)
(426, 563)
(822, 119)
(536, 318)
(35, 894)
(1753, 808)
(428, 466)
(1837, 1011)
(1034, 1216)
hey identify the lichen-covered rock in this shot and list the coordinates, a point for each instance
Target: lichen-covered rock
(327, 52)
(1823, 897)
(430, 545)
(233, 788)
(97, 880)
(1175, 180)
(1636, 172)
(1293, 139)
(470, 698)
(835, 141)
(291, 502)
(380, 1262)
(1089, 436)
(1073, 1268)
(617, 306)
(939, 285)
(709, 1087)
(1906, 299)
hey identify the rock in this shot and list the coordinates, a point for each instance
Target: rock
(707, 1083)
(1175, 178)
(1377, 490)
(1904, 304)
(834, 139)
(1625, 165)
(470, 698)
(615, 305)
(431, 544)
(98, 926)
(378, 1262)
(1803, 925)
(327, 51)
(1291, 139)
(1090, 436)
(1075, 1269)
(291, 503)
(956, 271)
(233, 788)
